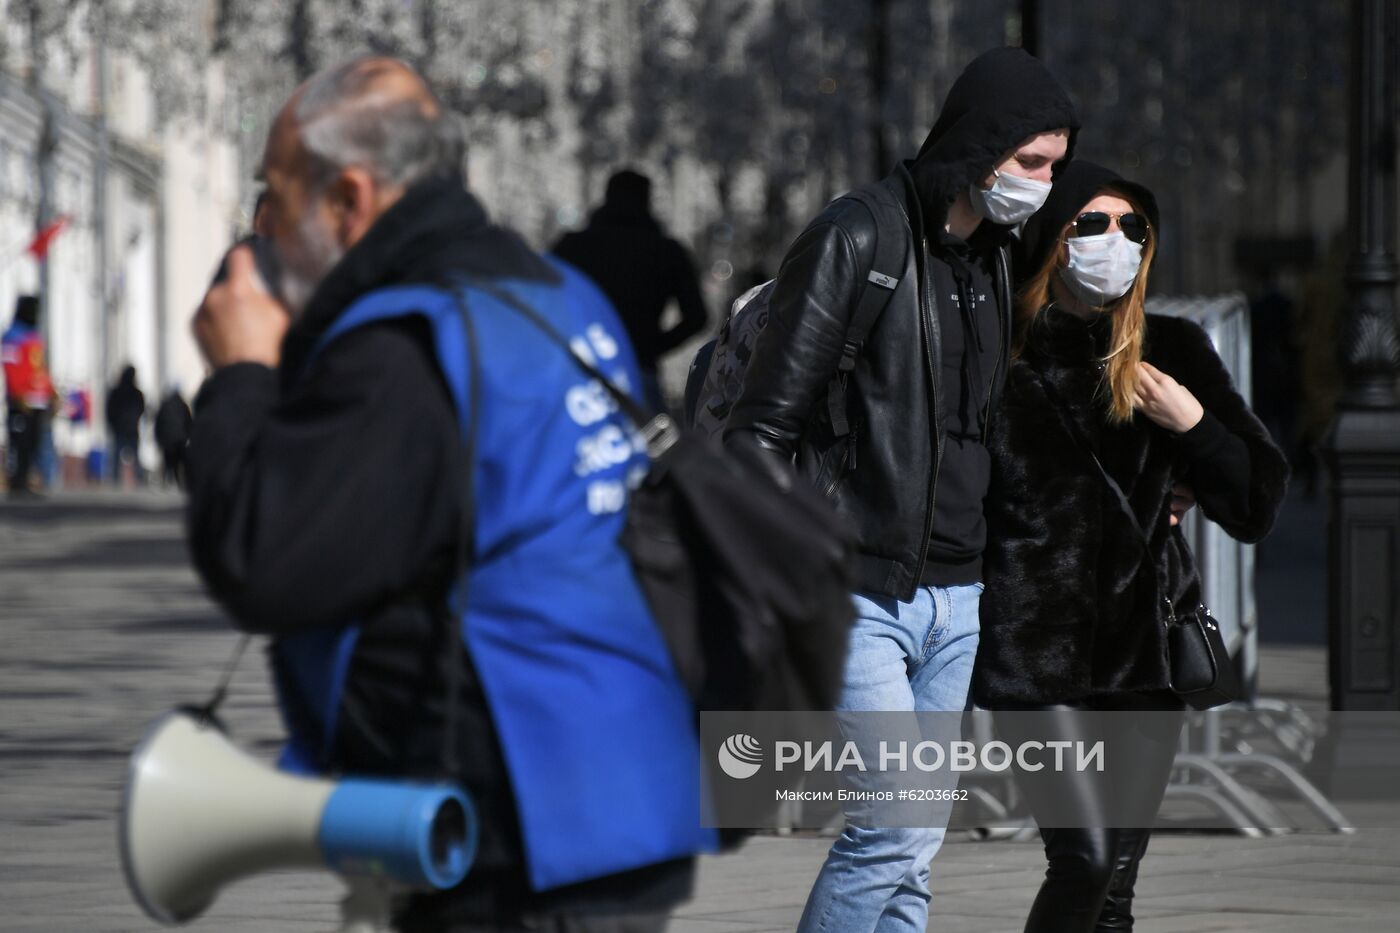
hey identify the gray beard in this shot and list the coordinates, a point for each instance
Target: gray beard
(316, 252)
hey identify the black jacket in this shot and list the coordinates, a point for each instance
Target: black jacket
(883, 476)
(1072, 607)
(333, 494)
(126, 406)
(640, 269)
(173, 420)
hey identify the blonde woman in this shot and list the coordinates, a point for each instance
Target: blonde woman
(1076, 606)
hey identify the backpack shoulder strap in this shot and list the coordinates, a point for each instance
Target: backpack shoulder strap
(879, 286)
(658, 430)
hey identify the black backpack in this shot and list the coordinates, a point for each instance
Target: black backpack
(749, 576)
(717, 373)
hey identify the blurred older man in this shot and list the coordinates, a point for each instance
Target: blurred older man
(331, 472)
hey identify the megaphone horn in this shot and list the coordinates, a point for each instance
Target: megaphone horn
(199, 813)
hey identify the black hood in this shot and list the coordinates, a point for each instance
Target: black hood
(436, 231)
(1076, 186)
(627, 202)
(1001, 97)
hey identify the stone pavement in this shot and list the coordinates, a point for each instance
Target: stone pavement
(104, 628)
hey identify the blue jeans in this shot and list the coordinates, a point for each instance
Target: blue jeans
(914, 656)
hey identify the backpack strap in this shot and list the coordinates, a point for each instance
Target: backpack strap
(876, 291)
(658, 430)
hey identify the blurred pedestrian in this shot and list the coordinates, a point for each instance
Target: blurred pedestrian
(913, 396)
(1319, 326)
(1275, 364)
(29, 393)
(126, 407)
(173, 420)
(1106, 408)
(365, 436)
(624, 250)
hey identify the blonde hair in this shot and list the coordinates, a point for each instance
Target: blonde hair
(1120, 377)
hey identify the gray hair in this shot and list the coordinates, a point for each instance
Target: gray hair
(346, 121)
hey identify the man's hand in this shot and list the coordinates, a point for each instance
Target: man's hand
(238, 321)
(1166, 401)
(1183, 501)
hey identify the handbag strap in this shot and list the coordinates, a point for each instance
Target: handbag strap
(1083, 443)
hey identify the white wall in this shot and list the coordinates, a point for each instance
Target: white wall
(200, 192)
(172, 208)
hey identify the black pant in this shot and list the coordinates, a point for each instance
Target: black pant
(25, 426)
(174, 459)
(1092, 869)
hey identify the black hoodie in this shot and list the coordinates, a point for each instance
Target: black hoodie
(1000, 99)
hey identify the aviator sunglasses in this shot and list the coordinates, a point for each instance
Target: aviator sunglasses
(1093, 223)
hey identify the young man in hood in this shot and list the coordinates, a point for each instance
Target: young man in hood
(902, 456)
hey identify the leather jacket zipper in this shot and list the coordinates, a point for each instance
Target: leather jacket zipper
(1001, 349)
(926, 307)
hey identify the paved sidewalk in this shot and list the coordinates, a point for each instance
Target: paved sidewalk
(104, 628)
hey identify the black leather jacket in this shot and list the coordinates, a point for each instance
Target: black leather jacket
(883, 475)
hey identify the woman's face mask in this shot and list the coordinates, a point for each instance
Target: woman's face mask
(1101, 268)
(1010, 200)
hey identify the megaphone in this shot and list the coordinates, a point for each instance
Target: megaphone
(198, 813)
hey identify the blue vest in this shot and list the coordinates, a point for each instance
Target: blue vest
(597, 733)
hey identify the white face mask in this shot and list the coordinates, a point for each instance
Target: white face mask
(1011, 199)
(1101, 268)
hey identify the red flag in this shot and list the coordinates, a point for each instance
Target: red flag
(39, 247)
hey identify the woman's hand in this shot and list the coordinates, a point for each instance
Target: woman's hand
(1183, 501)
(1166, 401)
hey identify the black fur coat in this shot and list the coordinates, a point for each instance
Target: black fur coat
(1073, 606)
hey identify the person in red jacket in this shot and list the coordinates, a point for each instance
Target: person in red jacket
(29, 395)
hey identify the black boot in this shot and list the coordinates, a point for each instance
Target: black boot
(1117, 913)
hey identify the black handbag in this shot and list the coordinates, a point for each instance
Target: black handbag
(1202, 673)
(1198, 662)
(749, 578)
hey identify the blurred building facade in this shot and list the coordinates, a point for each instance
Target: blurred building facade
(748, 115)
(149, 206)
